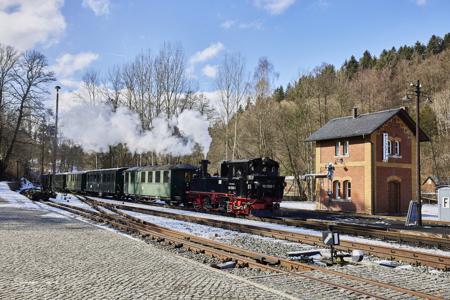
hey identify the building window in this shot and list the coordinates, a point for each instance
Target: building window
(336, 190)
(347, 190)
(346, 144)
(397, 148)
(337, 149)
(389, 144)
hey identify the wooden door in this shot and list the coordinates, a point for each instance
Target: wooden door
(394, 197)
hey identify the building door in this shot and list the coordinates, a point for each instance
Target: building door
(394, 197)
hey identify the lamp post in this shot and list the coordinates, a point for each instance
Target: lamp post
(55, 139)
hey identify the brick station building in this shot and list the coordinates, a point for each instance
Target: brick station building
(374, 157)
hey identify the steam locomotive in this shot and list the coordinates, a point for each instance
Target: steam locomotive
(243, 187)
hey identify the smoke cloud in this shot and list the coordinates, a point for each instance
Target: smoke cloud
(95, 128)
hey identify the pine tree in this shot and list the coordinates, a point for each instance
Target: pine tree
(351, 67)
(366, 61)
(278, 94)
(405, 52)
(435, 45)
(419, 49)
(446, 43)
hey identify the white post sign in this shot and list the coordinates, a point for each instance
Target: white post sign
(385, 147)
(446, 202)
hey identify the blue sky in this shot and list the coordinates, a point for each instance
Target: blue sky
(296, 35)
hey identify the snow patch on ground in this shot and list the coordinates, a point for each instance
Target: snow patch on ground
(307, 205)
(25, 184)
(54, 215)
(15, 200)
(70, 199)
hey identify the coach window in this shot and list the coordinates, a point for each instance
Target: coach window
(347, 190)
(150, 176)
(336, 189)
(142, 177)
(166, 177)
(158, 176)
(126, 177)
(132, 177)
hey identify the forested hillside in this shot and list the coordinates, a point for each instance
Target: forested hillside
(276, 124)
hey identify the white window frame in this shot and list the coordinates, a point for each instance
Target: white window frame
(397, 148)
(345, 148)
(347, 188)
(337, 149)
(390, 148)
(337, 189)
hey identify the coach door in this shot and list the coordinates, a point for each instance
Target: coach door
(394, 197)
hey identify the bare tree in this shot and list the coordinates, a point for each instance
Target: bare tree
(8, 59)
(232, 87)
(263, 79)
(29, 84)
(171, 84)
(91, 83)
(114, 86)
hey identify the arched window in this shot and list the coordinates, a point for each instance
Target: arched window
(397, 148)
(336, 190)
(347, 190)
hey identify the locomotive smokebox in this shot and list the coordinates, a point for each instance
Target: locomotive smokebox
(204, 167)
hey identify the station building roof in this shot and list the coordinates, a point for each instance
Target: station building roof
(362, 125)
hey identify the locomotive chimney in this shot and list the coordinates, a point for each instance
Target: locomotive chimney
(204, 167)
(355, 112)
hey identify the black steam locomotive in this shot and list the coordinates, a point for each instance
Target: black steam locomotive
(243, 186)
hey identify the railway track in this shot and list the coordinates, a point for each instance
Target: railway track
(110, 214)
(405, 255)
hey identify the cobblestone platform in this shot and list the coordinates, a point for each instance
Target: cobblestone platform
(49, 256)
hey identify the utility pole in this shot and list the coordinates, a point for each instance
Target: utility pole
(417, 90)
(55, 139)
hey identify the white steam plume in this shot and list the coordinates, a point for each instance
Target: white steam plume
(95, 128)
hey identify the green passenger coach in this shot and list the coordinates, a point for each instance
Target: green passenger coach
(158, 182)
(105, 182)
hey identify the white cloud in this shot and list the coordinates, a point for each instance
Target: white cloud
(228, 24)
(26, 23)
(257, 25)
(207, 53)
(99, 7)
(274, 7)
(67, 64)
(210, 71)
(421, 2)
(251, 25)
